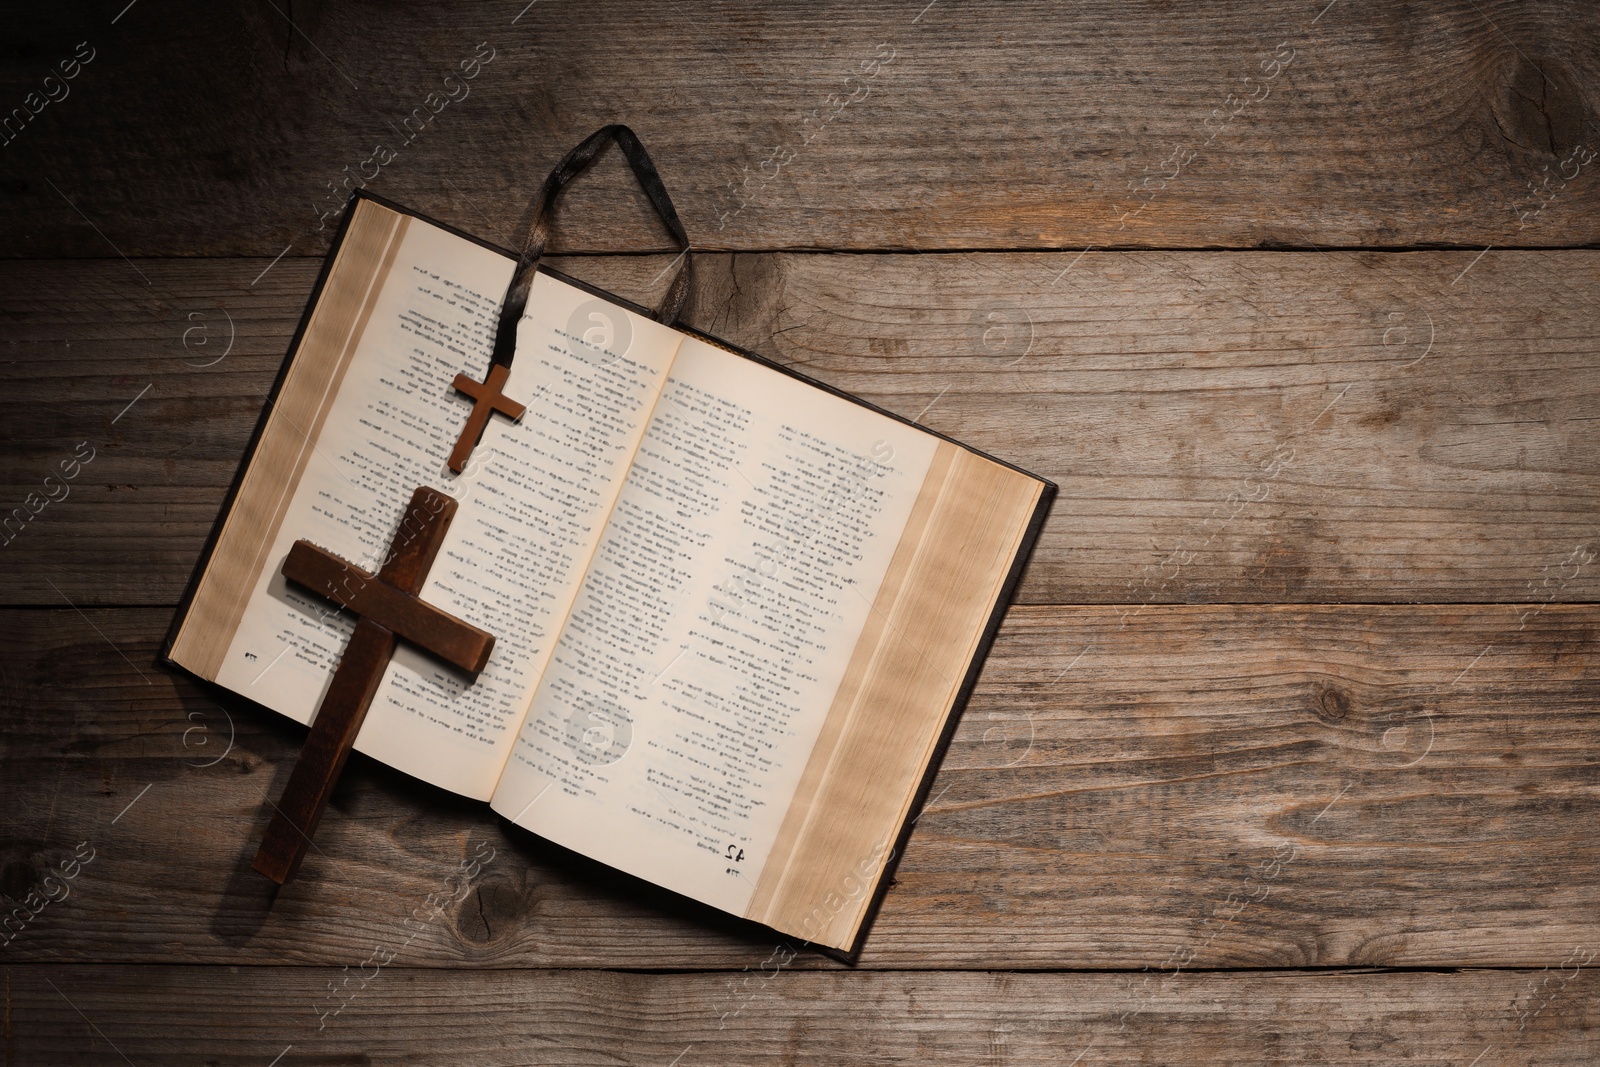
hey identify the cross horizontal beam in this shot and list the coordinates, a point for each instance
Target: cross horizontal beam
(369, 596)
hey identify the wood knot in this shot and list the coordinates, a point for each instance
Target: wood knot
(17, 878)
(1539, 109)
(498, 907)
(1331, 703)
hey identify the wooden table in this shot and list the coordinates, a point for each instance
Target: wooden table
(1287, 753)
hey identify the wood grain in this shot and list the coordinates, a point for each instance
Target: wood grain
(197, 1016)
(1419, 427)
(1209, 770)
(222, 129)
(1115, 797)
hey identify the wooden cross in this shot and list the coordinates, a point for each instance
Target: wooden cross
(486, 399)
(389, 607)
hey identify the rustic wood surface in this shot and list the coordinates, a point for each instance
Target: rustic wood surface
(88, 1015)
(1421, 775)
(1287, 754)
(1440, 438)
(1016, 125)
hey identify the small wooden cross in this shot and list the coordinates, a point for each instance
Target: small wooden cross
(389, 607)
(486, 399)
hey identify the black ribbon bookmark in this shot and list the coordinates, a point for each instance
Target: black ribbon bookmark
(486, 395)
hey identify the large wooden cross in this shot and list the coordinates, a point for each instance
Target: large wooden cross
(486, 399)
(388, 607)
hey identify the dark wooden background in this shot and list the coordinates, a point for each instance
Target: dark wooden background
(1287, 753)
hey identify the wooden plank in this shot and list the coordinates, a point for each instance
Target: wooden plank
(1224, 427)
(207, 1015)
(204, 129)
(1231, 787)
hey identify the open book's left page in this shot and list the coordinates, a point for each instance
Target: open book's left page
(366, 414)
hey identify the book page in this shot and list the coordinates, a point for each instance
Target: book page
(935, 606)
(533, 499)
(714, 627)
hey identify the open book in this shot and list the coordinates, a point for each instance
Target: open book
(735, 611)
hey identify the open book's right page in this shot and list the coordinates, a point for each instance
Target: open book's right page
(715, 626)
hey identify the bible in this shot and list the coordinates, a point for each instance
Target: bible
(735, 612)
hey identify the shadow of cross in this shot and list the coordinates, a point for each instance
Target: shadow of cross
(388, 608)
